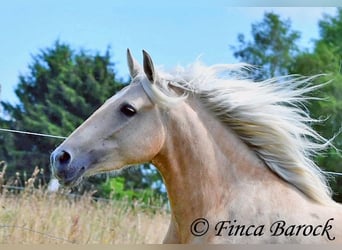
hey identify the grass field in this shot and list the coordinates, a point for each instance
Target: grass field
(36, 217)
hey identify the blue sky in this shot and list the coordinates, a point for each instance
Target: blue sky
(175, 32)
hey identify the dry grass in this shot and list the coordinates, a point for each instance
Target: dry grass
(38, 217)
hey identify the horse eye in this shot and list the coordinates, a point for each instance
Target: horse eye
(128, 110)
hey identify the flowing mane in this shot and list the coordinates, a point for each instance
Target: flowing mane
(269, 116)
(236, 155)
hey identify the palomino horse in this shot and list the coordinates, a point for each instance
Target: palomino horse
(235, 155)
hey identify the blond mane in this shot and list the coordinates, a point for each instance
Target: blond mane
(269, 116)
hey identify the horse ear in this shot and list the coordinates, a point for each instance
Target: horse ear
(133, 66)
(148, 67)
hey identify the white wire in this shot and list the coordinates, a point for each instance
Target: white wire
(31, 133)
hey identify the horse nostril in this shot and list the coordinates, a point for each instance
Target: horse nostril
(64, 157)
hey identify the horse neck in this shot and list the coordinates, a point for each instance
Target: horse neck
(202, 162)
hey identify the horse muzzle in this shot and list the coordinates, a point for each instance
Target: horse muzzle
(67, 172)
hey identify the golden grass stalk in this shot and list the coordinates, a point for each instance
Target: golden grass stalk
(38, 217)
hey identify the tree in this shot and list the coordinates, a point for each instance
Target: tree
(272, 48)
(326, 58)
(63, 87)
(331, 31)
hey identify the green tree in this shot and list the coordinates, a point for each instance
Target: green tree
(326, 58)
(63, 87)
(331, 31)
(272, 48)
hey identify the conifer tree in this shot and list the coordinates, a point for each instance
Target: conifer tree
(63, 87)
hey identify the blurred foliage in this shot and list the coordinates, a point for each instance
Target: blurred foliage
(326, 58)
(62, 88)
(271, 49)
(114, 188)
(274, 49)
